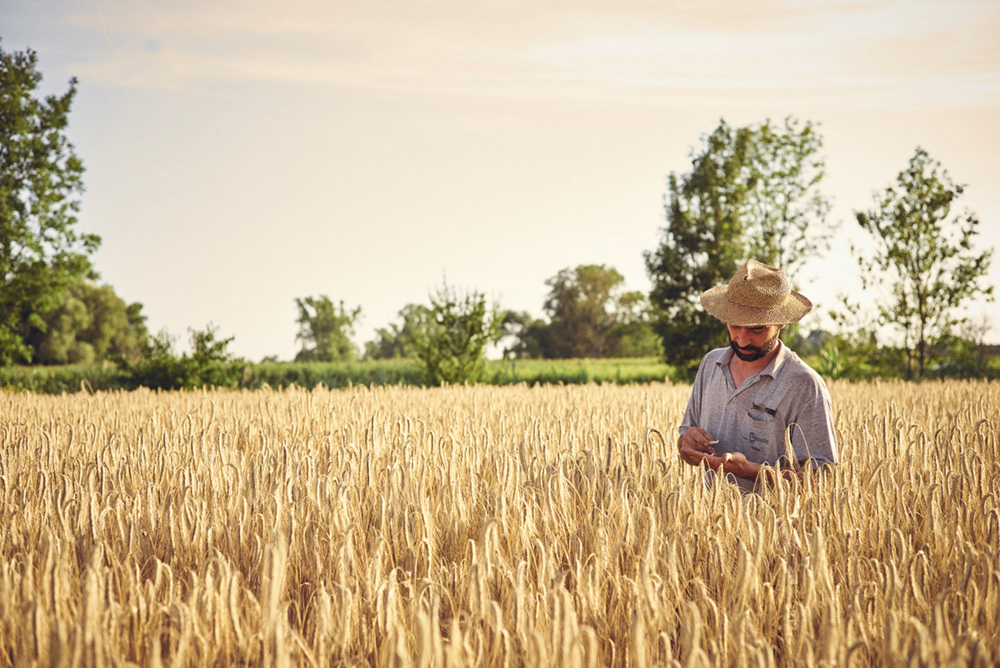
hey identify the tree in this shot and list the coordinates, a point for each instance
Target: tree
(581, 308)
(393, 342)
(752, 192)
(41, 253)
(787, 212)
(591, 315)
(924, 256)
(326, 330)
(451, 340)
(91, 323)
(526, 336)
(633, 334)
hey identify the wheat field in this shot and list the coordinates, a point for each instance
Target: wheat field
(483, 526)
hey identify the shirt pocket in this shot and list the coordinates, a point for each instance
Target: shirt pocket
(763, 435)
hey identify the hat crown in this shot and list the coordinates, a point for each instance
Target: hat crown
(758, 285)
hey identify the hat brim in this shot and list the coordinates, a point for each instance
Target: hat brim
(716, 301)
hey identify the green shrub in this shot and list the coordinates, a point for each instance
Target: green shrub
(451, 340)
(210, 364)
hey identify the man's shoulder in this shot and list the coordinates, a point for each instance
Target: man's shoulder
(795, 371)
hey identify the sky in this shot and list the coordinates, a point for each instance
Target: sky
(242, 154)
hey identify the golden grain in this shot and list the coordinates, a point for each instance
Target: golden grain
(488, 526)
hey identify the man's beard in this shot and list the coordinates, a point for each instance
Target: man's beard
(753, 353)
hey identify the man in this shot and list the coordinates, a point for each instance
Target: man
(745, 397)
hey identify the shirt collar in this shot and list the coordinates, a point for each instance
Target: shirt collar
(779, 359)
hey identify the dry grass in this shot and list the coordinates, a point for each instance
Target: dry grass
(486, 526)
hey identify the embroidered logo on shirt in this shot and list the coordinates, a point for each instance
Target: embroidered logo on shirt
(754, 438)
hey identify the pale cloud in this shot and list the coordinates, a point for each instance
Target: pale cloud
(874, 52)
(971, 50)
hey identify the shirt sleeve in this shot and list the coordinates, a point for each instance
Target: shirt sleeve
(811, 432)
(693, 411)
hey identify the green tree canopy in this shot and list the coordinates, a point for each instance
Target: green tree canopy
(524, 336)
(41, 252)
(581, 310)
(924, 256)
(393, 342)
(633, 334)
(91, 323)
(325, 330)
(591, 315)
(752, 193)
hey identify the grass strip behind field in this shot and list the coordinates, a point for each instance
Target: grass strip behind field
(96, 377)
(497, 372)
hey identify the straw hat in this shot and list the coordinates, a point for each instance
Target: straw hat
(757, 295)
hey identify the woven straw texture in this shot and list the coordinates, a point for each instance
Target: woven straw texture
(758, 294)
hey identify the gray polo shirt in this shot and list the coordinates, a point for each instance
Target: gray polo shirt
(785, 396)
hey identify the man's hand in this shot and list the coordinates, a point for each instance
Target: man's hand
(696, 445)
(734, 463)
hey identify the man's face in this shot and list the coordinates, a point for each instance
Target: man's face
(753, 343)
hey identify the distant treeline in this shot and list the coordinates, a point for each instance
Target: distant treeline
(410, 372)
